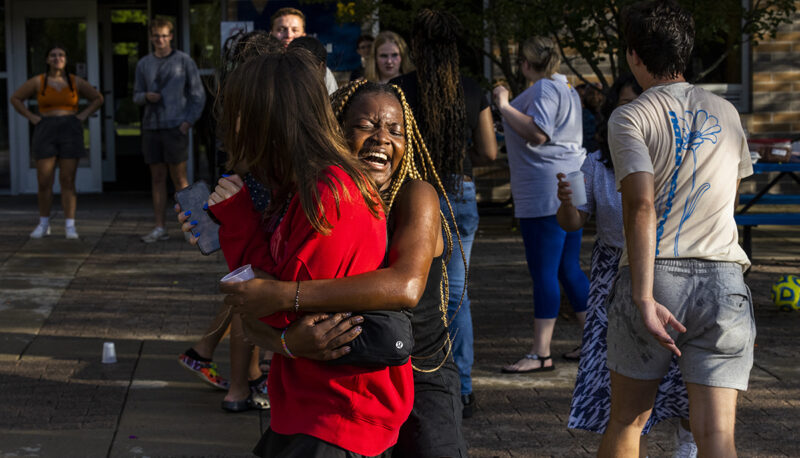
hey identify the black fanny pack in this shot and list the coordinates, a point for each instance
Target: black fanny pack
(386, 339)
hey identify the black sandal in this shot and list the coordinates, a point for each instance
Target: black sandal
(567, 356)
(541, 368)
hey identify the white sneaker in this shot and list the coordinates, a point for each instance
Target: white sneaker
(40, 231)
(684, 444)
(155, 235)
(72, 233)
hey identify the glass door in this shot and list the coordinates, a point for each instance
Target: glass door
(124, 37)
(37, 25)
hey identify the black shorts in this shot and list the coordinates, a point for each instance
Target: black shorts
(434, 427)
(164, 146)
(59, 136)
(276, 445)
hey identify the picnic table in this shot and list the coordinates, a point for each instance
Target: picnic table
(748, 219)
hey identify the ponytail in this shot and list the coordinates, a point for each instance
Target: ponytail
(541, 54)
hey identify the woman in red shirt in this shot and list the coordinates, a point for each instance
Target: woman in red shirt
(325, 220)
(381, 132)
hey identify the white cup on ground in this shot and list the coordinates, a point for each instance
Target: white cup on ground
(109, 353)
(241, 274)
(578, 187)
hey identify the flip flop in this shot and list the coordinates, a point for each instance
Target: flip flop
(569, 357)
(541, 368)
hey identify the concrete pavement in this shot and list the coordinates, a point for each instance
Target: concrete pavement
(60, 300)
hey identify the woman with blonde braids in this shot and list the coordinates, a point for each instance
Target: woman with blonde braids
(453, 112)
(381, 131)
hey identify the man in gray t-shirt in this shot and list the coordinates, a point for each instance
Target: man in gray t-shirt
(168, 85)
(679, 153)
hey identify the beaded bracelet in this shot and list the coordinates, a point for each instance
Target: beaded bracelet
(285, 348)
(297, 298)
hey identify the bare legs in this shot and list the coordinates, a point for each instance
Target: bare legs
(66, 178)
(217, 329)
(158, 186)
(712, 413)
(244, 362)
(45, 176)
(45, 173)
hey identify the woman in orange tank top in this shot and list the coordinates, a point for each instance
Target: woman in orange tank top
(58, 134)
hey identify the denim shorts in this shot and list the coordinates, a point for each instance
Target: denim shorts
(714, 304)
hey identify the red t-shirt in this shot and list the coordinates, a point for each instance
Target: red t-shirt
(358, 409)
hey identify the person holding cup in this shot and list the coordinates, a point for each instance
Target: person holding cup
(591, 399)
(544, 133)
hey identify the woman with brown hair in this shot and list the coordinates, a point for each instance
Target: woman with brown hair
(57, 135)
(382, 133)
(388, 59)
(325, 220)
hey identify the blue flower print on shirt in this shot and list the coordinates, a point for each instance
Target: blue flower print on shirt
(690, 132)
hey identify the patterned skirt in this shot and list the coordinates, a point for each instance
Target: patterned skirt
(591, 400)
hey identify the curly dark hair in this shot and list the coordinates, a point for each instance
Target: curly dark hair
(612, 99)
(443, 113)
(662, 34)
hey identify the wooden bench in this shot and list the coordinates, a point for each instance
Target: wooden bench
(748, 220)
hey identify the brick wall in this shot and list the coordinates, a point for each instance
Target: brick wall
(776, 83)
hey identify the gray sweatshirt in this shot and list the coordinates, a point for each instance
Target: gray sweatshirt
(176, 78)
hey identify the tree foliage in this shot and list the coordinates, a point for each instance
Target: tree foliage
(587, 31)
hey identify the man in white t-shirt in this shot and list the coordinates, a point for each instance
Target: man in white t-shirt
(679, 153)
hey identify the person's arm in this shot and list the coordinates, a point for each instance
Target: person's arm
(416, 241)
(196, 95)
(93, 95)
(230, 203)
(639, 219)
(521, 123)
(484, 148)
(23, 93)
(568, 216)
(317, 336)
(139, 85)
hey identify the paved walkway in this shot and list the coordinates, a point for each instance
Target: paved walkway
(60, 300)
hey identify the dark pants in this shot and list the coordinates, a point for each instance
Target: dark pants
(276, 445)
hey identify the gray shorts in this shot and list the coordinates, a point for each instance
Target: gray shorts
(59, 136)
(711, 300)
(164, 146)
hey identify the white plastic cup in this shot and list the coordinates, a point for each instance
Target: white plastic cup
(241, 274)
(578, 188)
(109, 353)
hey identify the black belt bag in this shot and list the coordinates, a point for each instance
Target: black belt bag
(386, 339)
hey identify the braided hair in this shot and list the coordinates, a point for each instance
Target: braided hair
(443, 113)
(417, 163)
(67, 75)
(611, 102)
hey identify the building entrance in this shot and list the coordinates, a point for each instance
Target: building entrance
(123, 41)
